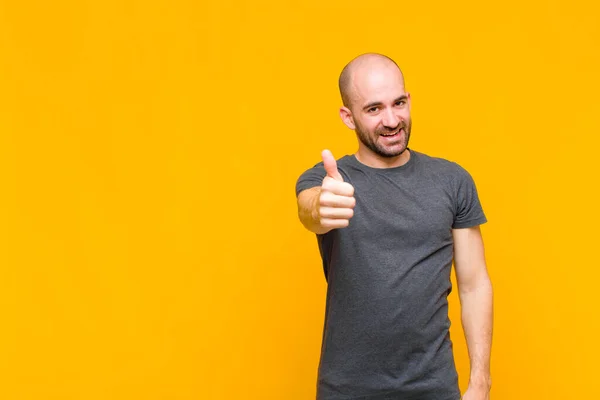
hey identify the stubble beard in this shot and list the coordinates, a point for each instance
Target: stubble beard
(379, 149)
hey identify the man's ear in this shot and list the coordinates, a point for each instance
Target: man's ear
(346, 116)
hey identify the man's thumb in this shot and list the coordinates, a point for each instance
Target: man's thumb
(331, 166)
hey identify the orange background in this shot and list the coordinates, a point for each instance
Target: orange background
(149, 244)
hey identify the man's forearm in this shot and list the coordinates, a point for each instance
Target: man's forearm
(308, 210)
(477, 320)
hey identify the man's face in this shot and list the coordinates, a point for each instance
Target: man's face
(381, 111)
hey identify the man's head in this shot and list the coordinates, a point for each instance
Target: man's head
(376, 105)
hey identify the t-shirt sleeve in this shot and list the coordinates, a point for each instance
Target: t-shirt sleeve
(468, 210)
(311, 178)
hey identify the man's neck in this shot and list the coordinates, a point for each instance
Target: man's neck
(370, 159)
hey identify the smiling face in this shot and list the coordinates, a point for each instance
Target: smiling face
(378, 109)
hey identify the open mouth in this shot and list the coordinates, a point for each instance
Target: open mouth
(391, 134)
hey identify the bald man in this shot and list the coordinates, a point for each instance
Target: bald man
(389, 223)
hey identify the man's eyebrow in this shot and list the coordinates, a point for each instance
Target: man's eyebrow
(378, 103)
(372, 104)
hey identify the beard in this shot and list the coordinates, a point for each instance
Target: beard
(380, 149)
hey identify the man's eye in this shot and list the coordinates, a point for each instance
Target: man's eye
(400, 103)
(372, 109)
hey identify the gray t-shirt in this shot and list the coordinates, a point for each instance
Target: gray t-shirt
(386, 333)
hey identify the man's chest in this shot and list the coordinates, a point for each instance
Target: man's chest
(407, 209)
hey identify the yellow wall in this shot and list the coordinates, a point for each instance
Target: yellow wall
(149, 246)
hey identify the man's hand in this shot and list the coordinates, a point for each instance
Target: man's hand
(476, 393)
(336, 201)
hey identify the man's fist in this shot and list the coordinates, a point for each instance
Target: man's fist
(336, 201)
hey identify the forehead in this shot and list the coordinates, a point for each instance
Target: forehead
(381, 83)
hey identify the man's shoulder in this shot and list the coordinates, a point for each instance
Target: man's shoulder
(348, 159)
(438, 165)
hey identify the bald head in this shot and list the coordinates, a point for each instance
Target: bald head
(359, 67)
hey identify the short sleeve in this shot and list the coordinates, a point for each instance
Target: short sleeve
(311, 178)
(468, 210)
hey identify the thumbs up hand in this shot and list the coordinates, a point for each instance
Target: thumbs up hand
(336, 201)
(331, 166)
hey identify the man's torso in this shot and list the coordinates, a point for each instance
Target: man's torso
(386, 333)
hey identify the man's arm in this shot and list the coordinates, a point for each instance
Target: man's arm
(308, 210)
(476, 298)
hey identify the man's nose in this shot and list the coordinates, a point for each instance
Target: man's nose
(390, 119)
